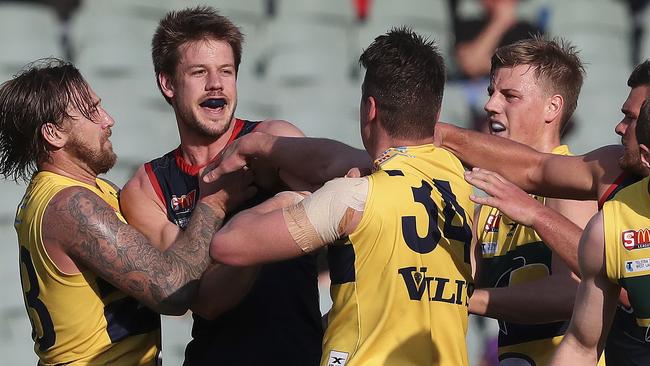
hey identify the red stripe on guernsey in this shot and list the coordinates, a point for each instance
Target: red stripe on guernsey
(239, 124)
(190, 169)
(154, 182)
(611, 189)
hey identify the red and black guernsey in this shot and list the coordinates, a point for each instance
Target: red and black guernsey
(279, 319)
(626, 342)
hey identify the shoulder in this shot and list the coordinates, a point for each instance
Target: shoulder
(138, 189)
(279, 128)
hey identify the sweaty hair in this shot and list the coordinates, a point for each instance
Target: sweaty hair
(45, 92)
(555, 62)
(640, 76)
(643, 124)
(405, 74)
(178, 28)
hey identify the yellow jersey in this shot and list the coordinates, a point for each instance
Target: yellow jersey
(77, 319)
(627, 249)
(512, 254)
(400, 284)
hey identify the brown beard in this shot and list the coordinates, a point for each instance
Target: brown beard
(99, 162)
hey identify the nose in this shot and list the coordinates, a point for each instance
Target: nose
(491, 106)
(213, 81)
(621, 127)
(107, 120)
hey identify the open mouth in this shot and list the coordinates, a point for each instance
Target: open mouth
(215, 104)
(497, 127)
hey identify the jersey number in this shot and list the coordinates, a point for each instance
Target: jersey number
(428, 243)
(48, 338)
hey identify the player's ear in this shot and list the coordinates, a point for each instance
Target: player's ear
(554, 108)
(645, 155)
(54, 135)
(166, 84)
(371, 110)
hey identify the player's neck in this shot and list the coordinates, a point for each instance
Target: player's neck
(200, 150)
(70, 169)
(546, 143)
(387, 142)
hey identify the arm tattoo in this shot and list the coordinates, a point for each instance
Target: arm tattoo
(91, 232)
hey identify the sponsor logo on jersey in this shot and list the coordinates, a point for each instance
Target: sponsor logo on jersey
(492, 223)
(488, 249)
(637, 265)
(337, 358)
(184, 202)
(636, 239)
(437, 288)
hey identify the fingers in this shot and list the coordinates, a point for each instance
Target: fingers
(353, 173)
(483, 200)
(215, 170)
(487, 181)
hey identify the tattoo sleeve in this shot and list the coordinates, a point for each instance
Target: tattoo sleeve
(88, 229)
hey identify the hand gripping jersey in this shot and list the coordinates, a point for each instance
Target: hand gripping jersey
(77, 319)
(400, 284)
(279, 319)
(627, 259)
(514, 254)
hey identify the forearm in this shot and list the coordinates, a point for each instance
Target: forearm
(523, 304)
(516, 162)
(327, 159)
(221, 288)
(559, 234)
(186, 260)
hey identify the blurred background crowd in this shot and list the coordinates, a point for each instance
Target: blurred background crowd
(300, 63)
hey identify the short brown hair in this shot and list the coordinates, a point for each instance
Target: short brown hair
(555, 62)
(640, 76)
(42, 93)
(405, 74)
(192, 24)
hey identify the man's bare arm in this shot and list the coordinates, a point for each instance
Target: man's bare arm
(559, 233)
(320, 159)
(89, 231)
(595, 302)
(549, 175)
(257, 235)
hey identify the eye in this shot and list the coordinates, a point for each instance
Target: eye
(198, 72)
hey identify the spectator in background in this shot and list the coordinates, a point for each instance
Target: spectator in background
(64, 10)
(637, 9)
(475, 41)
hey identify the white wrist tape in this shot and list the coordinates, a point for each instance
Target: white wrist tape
(319, 218)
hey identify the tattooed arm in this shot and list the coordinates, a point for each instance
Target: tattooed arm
(88, 231)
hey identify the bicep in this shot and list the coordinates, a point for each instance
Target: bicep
(597, 295)
(143, 210)
(90, 232)
(577, 177)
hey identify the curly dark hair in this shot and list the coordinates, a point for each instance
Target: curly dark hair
(42, 93)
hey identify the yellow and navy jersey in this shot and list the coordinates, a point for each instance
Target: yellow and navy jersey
(627, 248)
(513, 254)
(79, 318)
(400, 284)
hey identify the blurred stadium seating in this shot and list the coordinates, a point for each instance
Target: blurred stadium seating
(299, 65)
